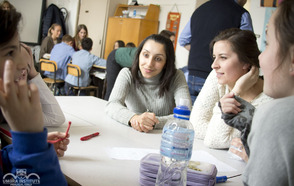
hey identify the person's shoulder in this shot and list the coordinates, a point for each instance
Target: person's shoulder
(125, 71)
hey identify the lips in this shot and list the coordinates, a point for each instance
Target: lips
(219, 74)
(148, 70)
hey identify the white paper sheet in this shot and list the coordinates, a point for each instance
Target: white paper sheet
(121, 153)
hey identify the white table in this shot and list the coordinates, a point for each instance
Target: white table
(89, 162)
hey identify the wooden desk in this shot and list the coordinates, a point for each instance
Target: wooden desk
(89, 162)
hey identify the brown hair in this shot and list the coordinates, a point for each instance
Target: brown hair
(67, 38)
(76, 38)
(243, 43)
(167, 33)
(284, 28)
(8, 25)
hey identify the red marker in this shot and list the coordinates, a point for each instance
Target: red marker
(89, 136)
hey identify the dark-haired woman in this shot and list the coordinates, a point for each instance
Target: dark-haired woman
(144, 96)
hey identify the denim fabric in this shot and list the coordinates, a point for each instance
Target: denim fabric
(195, 85)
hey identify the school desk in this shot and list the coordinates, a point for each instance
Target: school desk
(91, 162)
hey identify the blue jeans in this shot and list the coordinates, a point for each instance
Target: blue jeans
(195, 85)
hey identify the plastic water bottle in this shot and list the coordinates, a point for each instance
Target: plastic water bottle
(134, 13)
(176, 147)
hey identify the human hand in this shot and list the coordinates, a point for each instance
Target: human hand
(27, 56)
(246, 81)
(238, 149)
(144, 122)
(61, 146)
(229, 104)
(20, 103)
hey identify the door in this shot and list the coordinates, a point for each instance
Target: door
(92, 14)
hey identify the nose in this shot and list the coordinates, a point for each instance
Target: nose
(214, 65)
(149, 62)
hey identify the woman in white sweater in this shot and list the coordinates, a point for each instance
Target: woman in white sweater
(144, 96)
(235, 54)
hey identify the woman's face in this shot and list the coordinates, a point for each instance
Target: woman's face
(116, 45)
(82, 34)
(11, 50)
(5, 6)
(56, 32)
(227, 65)
(152, 59)
(277, 78)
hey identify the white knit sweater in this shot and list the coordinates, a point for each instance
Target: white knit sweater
(126, 100)
(206, 115)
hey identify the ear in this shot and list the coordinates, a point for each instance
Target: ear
(247, 66)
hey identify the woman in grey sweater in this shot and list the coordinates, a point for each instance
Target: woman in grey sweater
(144, 96)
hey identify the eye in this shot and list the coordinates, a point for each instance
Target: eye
(146, 55)
(10, 53)
(158, 59)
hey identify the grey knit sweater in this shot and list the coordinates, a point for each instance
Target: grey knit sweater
(126, 100)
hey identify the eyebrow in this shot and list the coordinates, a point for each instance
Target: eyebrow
(155, 54)
(9, 47)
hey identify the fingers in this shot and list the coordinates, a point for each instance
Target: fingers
(144, 122)
(8, 76)
(229, 104)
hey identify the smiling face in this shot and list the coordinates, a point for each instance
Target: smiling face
(56, 31)
(11, 50)
(82, 34)
(227, 64)
(152, 59)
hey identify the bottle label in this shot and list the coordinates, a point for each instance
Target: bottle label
(177, 143)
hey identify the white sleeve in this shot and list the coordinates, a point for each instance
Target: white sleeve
(202, 110)
(52, 113)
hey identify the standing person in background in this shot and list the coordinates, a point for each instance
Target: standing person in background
(51, 39)
(145, 95)
(6, 5)
(205, 23)
(81, 33)
(118, 44)
(20, 105)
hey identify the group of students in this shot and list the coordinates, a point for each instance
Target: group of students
(70, 50)
(144, 95)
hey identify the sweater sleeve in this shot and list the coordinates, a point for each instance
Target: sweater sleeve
(116, 107)
(52, 113)
(203, 106)
(31, 154)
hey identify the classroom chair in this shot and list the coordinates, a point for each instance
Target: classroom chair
(51, 66)
(75, 70)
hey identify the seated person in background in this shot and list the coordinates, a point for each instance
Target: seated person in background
(85, 60)
(130, 44)
(235, 54)
(6, 5)
(144, 96)
(52, 113)
(168, 34)
(118, 44)
(51, 39)
(61, 54)
(20, 105)
(81, 33)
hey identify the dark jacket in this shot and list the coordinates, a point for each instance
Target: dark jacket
(52, 15)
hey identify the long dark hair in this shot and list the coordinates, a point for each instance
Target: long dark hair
(243, 43)
(168, 70)
(284, 28)
(9, 20)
